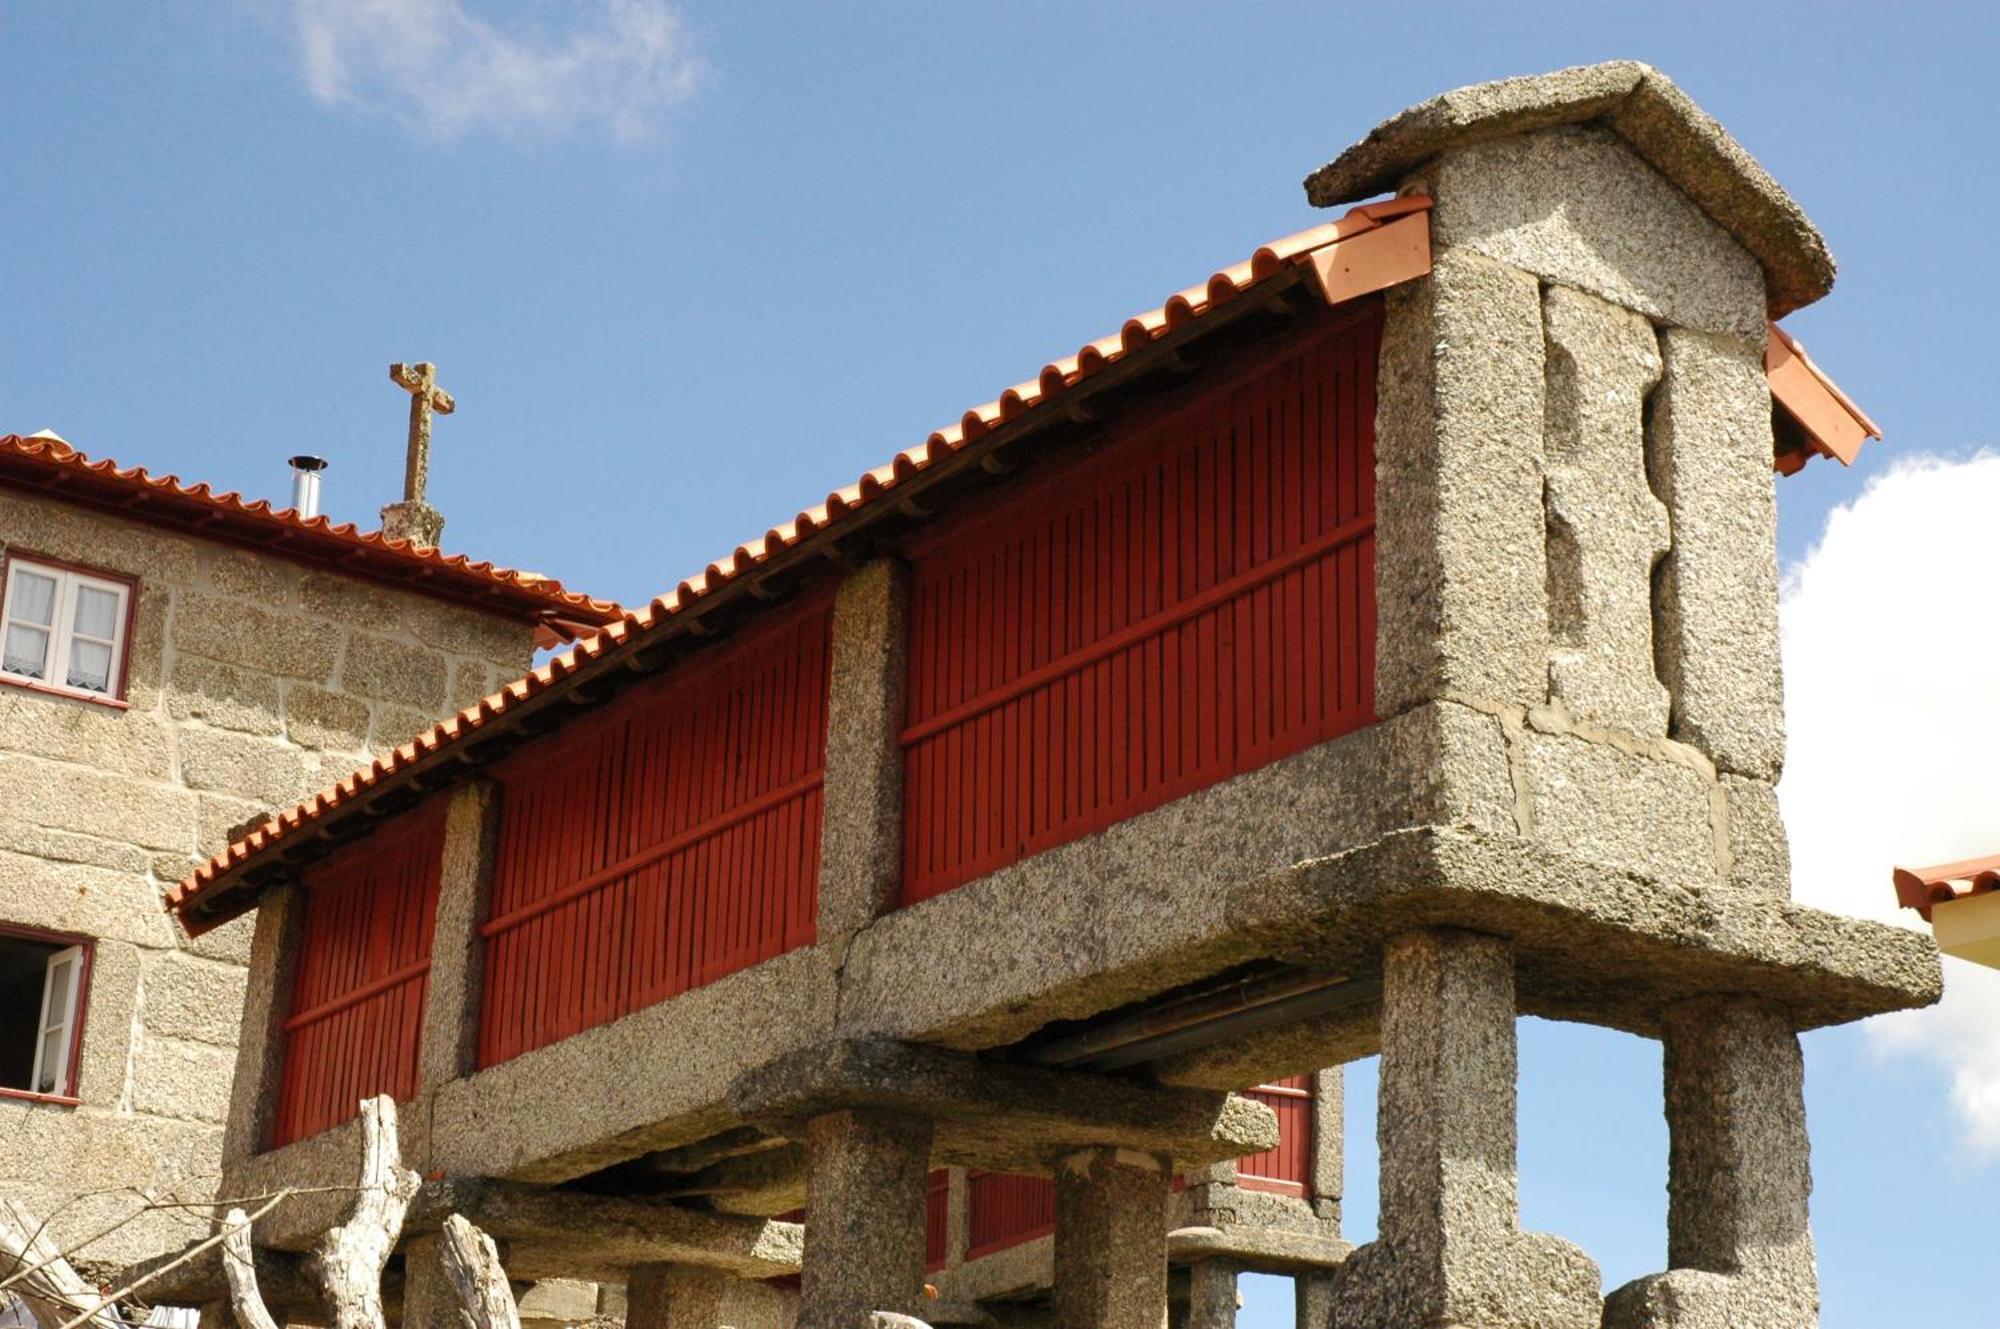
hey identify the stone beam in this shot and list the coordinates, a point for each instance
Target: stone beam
(1002, 1116)
(1591, 944)
(565, 1233)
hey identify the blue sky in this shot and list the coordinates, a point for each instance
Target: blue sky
(687, 276)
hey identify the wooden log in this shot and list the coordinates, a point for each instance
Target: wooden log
(472, 1264)
(239, 1265)
(50, 1286)
(347, 1262)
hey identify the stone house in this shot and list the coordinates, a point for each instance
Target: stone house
(176, 664)
(1372, 644)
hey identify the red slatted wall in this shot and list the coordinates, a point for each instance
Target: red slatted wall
(1286, 1169)
(1006, 1210)
(667, 840)
(1193, 601)
(363, 974)
(937, 1219)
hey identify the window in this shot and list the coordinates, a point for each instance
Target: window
(64, 629)
(43, 982)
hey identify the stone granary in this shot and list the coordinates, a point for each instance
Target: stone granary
(177, 663)
(1373, 644)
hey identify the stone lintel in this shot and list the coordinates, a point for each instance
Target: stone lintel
(1660, 122)
(1258, 1249)
(1595, 945)
(1001, 1116)
(564, 1233)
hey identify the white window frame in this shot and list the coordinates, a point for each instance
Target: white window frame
(62, 631)
(61, 1023)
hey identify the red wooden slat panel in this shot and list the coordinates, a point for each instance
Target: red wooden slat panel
(1006, 1210)
(937, 1220)
(1191, 601)
(1286, 1169)
(663, 841)
(364, 956)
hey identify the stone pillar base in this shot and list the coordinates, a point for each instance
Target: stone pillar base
(1776, 1298)
(1526, 1280)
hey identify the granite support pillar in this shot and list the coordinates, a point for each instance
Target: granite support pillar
(671, 1296)
(1739, 1246)
(1111, 1240)
(867, 1171)
(861, 837)
(1451, 1251)
(1212, 1300)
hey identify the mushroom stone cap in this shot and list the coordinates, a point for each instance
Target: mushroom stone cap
(1660, 122)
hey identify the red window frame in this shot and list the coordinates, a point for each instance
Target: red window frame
(116, 698)
(69, 1097)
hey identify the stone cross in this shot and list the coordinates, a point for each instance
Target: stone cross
(414, 518)
(420, 381)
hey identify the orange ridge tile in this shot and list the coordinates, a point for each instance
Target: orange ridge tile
(1922, 888)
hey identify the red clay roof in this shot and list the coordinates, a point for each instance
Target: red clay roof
(1832, 424)
(1366, 250)
(1921, 888)
(51, 466)
(1372, 247)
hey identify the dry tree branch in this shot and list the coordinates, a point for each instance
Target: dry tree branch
(472, 1264)
(239, 1265)
(347, 1262)
(184, 1257)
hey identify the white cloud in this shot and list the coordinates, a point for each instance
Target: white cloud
(443, 71)
(1892, 693)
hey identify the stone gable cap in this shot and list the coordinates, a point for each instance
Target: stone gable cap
(1645, 108)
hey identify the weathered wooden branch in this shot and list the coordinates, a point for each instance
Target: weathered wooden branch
(52, 1288)
(891, 1320)
(347, 1262)
(472, 1264)
(239, 1264)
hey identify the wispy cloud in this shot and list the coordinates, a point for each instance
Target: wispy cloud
(1892, 696)
(444, 72)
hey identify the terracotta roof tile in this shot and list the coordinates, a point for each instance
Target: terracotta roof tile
(1832, 425)
(1363, 251)
(1922, 888)
(52, 466)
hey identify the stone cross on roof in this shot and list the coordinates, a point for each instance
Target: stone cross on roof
(414, 518)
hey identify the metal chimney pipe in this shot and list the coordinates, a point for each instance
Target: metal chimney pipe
(305, 484)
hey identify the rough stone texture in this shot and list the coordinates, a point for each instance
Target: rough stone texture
(450, 1044)
(999, 1117)
(1760, 855)
(1328, 1181)
(429, 1300)
(861, 839)
(865, 1189)
(1212, 1296)
(1111, 1241)
(1622, 809)
(1590, 944)
(233, 705)
(1093, 924)
(267, 1001)
(1739, 1247)
(665, 1296)
(1460, 572)
(1451, 1250)
(1709, 448)
(1648, 113)
(1574, 206)
(608, 1094)
(1606, 529)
